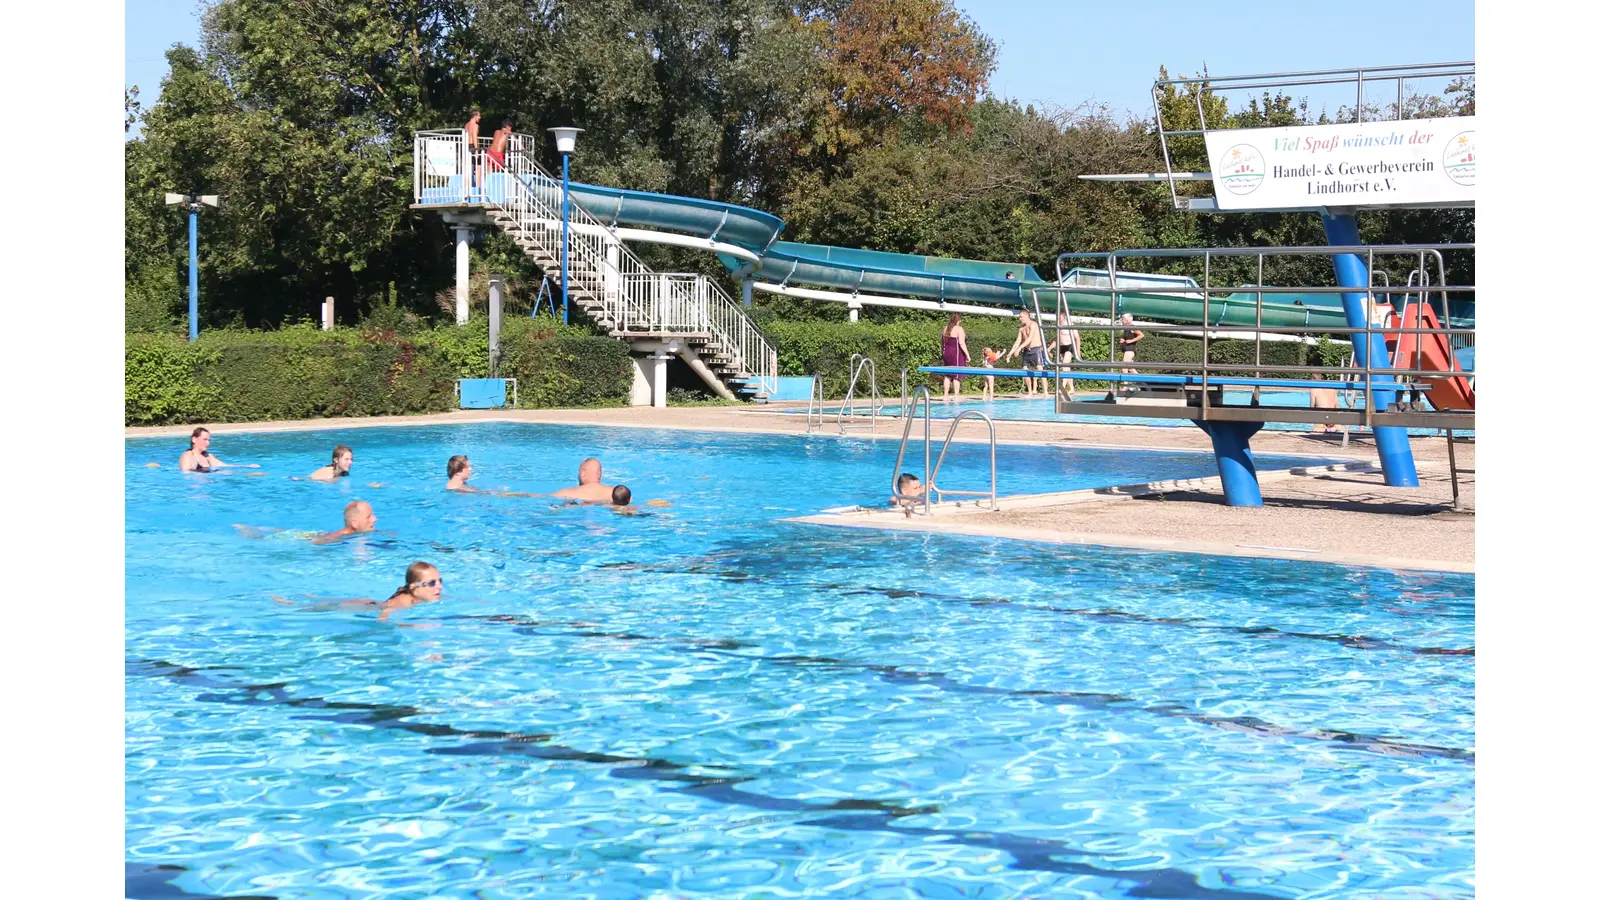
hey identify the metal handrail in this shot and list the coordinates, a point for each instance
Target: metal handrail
(858, 365)
(814, 403)
(933, 477)
(1422, 284)
(920, 391)
(630, 294)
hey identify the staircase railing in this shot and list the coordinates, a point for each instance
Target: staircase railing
(634, 297)
(603, 265)
(727, 322)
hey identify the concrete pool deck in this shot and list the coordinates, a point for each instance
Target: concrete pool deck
(1343, 514)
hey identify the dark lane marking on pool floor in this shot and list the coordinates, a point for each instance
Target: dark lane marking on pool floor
(147, 881)
(1032, 854)
(1353, 641)
(1344, 740)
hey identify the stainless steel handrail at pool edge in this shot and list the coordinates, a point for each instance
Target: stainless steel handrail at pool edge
(859, 364)
(920, 391)
(814, 405)
(933, 476)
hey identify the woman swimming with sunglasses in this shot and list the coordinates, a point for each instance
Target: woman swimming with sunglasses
(423, 585)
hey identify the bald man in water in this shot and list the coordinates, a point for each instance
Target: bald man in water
(590, 489)
(358, 519)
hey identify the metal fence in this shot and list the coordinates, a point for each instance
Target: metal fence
(1381, 322)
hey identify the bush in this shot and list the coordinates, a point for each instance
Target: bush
(818, 347)
(300, 372)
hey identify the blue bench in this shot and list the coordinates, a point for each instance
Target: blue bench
(485, 393)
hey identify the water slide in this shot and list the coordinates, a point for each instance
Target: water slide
(746, 240)
(1431, 352)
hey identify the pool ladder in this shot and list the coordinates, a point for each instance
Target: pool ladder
(860, 365)
(814, 405)
(932, 493)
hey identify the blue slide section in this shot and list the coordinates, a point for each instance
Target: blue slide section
(932, 277)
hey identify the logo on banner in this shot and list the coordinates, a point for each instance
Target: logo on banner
(1243, 169)
(1461, 158)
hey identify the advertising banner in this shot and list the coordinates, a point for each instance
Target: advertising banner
(1406, 162)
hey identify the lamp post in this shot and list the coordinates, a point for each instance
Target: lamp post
(566, 141)
(194, 202)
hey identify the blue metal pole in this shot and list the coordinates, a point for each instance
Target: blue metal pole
(1394, 448)
(565, 202)
(194, 275)
(1236, 465)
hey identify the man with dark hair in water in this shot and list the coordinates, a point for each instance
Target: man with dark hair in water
(910, 489)
(621, 496)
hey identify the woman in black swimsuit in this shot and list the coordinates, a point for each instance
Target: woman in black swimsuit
(198, 458)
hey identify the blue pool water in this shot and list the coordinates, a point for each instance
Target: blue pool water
(1043, 409)
(709, 702)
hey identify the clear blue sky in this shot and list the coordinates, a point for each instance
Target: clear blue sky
(1065, 52)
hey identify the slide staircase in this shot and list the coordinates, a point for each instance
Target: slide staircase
(618, 292)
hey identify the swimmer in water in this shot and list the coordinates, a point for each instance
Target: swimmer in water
(459, 470)
(198, 458)
(339, 468)
(423, 585)
(358, 519)
(911, 492)
(590, 489)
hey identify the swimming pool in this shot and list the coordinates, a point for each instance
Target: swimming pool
(1043, 409)
(710, 702)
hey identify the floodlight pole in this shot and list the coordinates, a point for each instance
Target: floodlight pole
(566, 142)
(194, 271)
(566, 207)
(193, 202)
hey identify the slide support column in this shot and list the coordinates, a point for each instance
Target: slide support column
(1394, 447)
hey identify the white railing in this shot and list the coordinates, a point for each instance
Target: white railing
(729, 324)
(635, 298)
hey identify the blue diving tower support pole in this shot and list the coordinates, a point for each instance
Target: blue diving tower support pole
(1231, 441)
(1394, 448)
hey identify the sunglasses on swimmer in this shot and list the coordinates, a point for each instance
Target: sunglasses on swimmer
(432, 582)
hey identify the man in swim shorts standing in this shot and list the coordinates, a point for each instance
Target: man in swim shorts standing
(1030, 343)
(472, 149)
(496, 153)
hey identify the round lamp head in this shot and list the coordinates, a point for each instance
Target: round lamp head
(566, 138)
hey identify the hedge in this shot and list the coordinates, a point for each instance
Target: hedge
(815, 347)
(300, 372)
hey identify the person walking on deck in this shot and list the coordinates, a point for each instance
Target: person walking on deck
(953, 349)
(1130, 337)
